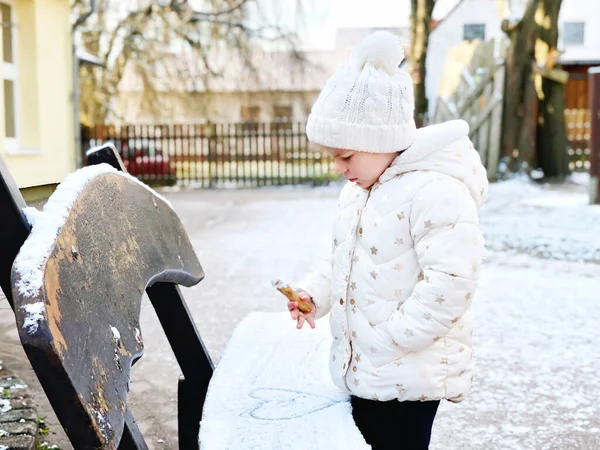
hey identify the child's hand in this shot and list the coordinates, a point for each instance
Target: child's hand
(299, 315)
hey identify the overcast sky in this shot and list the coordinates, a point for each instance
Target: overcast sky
(317, 20)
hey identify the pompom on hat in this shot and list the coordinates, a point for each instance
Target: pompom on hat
(368, 104)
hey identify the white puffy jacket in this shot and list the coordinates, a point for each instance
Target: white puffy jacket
(405, 263)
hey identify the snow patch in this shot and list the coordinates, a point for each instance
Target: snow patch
(551, 221)
(582, 178)
(256, 399)
(4, 407)
(48, 223)
(32, 214)
(115, 333)
(138, 336)
(105, 426)
(35, 313)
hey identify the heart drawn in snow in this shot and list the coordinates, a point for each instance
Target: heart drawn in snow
(285, 404)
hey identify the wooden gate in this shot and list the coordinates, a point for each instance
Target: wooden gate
(472, 89)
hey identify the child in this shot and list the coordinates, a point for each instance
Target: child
(406, 251)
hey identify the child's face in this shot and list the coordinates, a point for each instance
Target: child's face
(360, 167)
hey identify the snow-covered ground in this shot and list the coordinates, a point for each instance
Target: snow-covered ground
(549, 220)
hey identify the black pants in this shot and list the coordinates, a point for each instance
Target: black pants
(395, 425)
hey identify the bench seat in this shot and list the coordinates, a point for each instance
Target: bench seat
(272, 390)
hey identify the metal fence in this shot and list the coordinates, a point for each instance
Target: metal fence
(217, 155)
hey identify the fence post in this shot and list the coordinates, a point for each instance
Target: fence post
(594, 101)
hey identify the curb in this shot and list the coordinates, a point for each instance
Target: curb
(19, 424)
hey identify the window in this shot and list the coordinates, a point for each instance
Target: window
(282, 113)
(574, 33)
(250, 113)
(250, 117)
(10, 78)
(472, 31)
(282, 118)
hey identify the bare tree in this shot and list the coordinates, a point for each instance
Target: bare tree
(420, 29)
(534, 123)
(151, 35)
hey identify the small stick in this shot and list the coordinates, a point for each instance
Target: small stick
(292, 295)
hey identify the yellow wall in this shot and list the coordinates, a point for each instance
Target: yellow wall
(46, 151)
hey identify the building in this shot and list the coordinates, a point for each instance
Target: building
(579, 39)
(283, 87)
(37, 127)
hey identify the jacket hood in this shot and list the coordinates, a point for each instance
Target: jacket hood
(444, 148)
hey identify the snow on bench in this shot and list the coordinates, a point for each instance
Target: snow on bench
(272, 390)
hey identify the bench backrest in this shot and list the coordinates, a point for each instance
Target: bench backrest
(78, 282)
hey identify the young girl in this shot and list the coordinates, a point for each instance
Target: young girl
(406, 253)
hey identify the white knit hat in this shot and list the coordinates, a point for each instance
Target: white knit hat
(368, 104)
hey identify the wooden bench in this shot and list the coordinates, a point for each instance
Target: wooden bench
(78, 277)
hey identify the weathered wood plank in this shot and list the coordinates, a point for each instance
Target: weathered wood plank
(118, 239)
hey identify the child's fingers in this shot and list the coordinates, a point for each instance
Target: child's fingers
(292, 305)
(311, 321)
(300, 322)
(304, 296)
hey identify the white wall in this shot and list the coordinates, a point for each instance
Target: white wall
(587, 11)
(449, 33)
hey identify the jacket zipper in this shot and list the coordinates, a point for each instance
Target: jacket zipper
(356, 233)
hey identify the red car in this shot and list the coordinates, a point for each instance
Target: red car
(150, 165)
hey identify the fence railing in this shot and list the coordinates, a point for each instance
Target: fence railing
(217, 155)
(578, 135)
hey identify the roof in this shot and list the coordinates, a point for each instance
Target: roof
(267, 71)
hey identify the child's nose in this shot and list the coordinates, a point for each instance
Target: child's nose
(339, 166)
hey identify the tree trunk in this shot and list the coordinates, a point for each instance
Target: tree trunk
(552, 134)
(518, 133)
(534, 132)
(420, 28)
